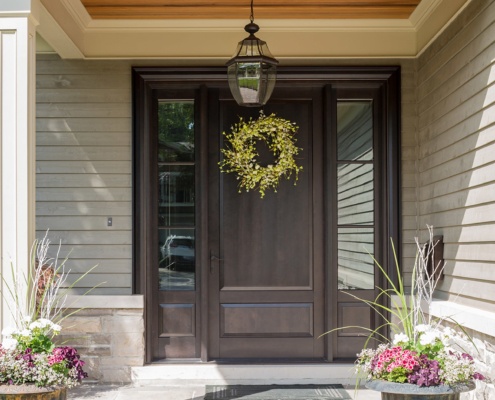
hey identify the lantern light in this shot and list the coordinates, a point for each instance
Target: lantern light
(252, 71)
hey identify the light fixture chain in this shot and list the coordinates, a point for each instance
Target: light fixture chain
(252, 12)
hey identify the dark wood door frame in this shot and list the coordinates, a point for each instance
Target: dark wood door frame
(148, 80)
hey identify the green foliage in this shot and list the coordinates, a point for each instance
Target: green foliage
(241, 157)
(398, 374)
(38, 344)
(176, 131)
(174, 122)
(430, 350)
(249, 83)
(61, 368)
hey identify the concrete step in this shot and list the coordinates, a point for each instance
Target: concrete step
(174, 374)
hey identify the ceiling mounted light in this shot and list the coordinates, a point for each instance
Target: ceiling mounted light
(252, 71)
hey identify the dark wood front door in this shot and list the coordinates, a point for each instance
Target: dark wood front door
(230, 276)
(266, 271)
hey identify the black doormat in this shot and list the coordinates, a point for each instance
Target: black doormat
(276, 392)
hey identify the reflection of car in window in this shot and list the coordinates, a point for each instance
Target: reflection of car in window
(178, 253)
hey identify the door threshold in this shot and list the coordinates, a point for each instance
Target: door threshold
(177, 361)
(250, 361)
(214, 373)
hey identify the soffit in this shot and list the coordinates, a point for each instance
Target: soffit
(208, 32)
(238, 9)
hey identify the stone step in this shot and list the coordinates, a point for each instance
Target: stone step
(174, 374)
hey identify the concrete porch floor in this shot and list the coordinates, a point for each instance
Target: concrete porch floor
(186, 381)
(196, 392)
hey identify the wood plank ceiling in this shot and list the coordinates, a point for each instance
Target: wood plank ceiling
(240, 9)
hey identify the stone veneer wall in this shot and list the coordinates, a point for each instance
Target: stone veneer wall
(109, 335)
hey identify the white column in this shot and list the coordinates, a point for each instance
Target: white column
(18, 20)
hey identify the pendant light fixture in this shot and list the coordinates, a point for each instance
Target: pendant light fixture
(252, 71)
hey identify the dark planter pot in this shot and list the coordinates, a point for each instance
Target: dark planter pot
(31, 392)
(406, 391)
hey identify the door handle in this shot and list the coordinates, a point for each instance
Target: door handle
(214, 258)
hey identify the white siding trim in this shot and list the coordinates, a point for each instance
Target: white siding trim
(17, 145)
(104, 301)
(469, 317)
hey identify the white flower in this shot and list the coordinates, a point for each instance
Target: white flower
(25, 333)
(35, 324)
(422, 328)
(429, 338)
(28, 319)
(449, 332)
(56, 328)
(401, 338)
(45, 322)
(9, 344)
(446, 340)
(9, 331)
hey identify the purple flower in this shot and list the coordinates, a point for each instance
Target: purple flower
(28, 356)
(72, 360)
(426, 373)
(478, 376)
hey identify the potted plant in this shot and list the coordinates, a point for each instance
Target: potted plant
(31, 364)
(424, 359)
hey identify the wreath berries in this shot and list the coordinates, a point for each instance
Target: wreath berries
(241, 156)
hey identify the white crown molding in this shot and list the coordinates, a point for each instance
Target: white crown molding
(293, 39)
(78, 12)
(57, 38)
(423, 11)
(281, 25)
(439, 31)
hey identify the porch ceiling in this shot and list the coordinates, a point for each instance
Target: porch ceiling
(189, 32)
(238, 9)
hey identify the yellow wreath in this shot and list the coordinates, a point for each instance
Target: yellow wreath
(241, 156)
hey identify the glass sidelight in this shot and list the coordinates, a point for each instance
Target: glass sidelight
(355, 194)
(176, 196)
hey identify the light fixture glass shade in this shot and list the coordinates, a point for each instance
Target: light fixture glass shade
(252, 71)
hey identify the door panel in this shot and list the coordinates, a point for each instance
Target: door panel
(266, 288)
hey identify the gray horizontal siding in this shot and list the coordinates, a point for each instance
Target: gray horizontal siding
(456, 126)
(84, 168)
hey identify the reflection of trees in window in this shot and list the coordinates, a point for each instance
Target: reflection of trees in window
(176, 131)
(176, 197)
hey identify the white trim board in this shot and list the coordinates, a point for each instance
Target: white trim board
(469, 317)
(102, 301)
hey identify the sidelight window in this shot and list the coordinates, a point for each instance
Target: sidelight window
(176, 196)
(355, 194)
